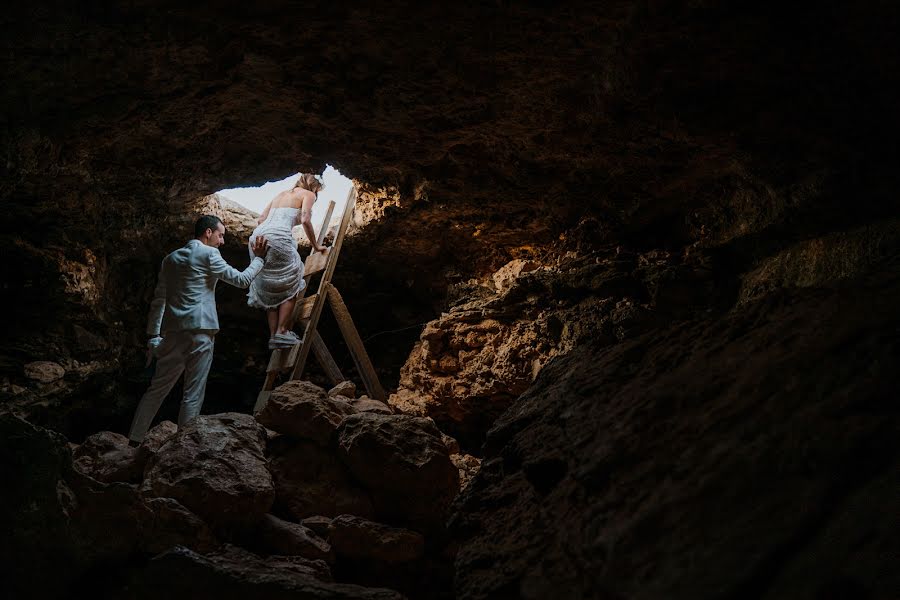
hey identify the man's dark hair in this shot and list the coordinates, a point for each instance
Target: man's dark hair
(206, 222)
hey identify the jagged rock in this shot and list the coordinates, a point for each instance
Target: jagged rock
(506, 274)
(44, 371)
(216, 467)
(624, 460)
(157, 436)
(174, 525)
(319, 524)
(237, 575)
(404, 464)
(107, 457)
(35, 510)
(468, 466)
(451, 443)
(302, 409)
(366, 404)
(310, 480)
(277, 536)
(347, 389)
(110, 520)
(360, 539)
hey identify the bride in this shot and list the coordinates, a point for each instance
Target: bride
(276, 287)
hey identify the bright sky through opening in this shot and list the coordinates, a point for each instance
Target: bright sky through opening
(336, 188)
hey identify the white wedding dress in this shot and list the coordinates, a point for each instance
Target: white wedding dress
(282, 276)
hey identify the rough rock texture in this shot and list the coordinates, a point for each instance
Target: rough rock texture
(156, 437)
(403, 463)
(304, 410)
(347, 389)
(234, 574)
(35, 509)
(475, 360)
(272, 535)
(709, 460)
(311, 480)
(468, 466)
(215, 465)
(58, 523)
(107, 457)
(360, 539)
(366, 404)
(174, 525)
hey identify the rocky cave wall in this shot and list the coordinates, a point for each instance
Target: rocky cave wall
(534, 183)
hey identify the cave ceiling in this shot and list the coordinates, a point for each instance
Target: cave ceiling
(635, 111)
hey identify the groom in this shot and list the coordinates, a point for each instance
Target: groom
(184, 311)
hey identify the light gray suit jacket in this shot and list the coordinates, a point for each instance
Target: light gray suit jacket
(185, 296)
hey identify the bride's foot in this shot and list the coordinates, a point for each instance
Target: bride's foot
(284, 340)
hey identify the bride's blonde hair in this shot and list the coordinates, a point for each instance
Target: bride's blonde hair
(310, 182)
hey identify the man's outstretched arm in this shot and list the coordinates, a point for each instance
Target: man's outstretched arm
(230, 275)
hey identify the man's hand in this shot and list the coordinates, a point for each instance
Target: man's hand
(260, 246)
(152, 349)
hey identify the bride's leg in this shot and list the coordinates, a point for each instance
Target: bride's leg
(272, 318)
(285, 310)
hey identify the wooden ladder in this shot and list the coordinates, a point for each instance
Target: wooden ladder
(307, 313)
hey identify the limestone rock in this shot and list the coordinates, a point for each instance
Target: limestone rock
(701, 416)
(35, 511)
(302, 409)
(175, 525)
(451, 443)
(360, 539)
(366, 404)
(233, 574)
(318, 524)
(44, 371)
(157, 436)
(504, 276)
(347, 389)
(468, 466)
(154, 440)
(310, 480)
(404, 464)
(216, 467)
(277, 536)
(107, 457)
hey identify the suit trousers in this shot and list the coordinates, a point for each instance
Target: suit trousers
(188, 352)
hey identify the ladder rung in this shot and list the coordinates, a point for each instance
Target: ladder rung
(315, 262)
(305, 307)
(283, 359)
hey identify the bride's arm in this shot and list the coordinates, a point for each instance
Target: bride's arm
(306, 221)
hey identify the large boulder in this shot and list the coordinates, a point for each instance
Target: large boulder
(233, 574)
(303, 409)
(106, 456)
(216, 467)
(35, 510)
(310, 480)
(404, 463)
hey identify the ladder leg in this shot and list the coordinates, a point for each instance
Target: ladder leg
(355, 344)
(326, 360)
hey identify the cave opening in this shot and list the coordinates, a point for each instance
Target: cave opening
(335, 187)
